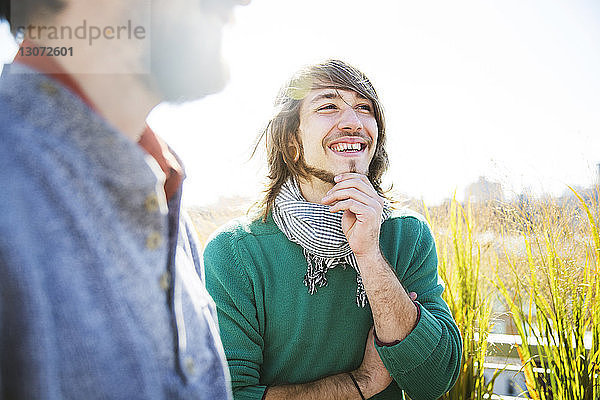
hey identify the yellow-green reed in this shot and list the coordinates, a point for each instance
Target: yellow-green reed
(555, 306)
(459, 266)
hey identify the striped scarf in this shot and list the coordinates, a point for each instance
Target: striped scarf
(319, 233)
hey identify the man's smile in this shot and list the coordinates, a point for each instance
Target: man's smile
(349, 146)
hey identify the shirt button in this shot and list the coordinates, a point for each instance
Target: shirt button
(189, 365)
(151, 203)
(153, 240)
(165, 281)
(48, 88)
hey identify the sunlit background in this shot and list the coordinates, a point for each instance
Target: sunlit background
(509, 90)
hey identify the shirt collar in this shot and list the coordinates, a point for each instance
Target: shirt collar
(149, 141)
(49, 67)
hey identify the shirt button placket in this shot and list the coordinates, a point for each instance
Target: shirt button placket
(154, 238)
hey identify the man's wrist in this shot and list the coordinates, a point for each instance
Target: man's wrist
(355, 383)
(364, 382)
(370, 257)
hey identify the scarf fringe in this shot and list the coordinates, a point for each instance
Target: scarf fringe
(316, 274)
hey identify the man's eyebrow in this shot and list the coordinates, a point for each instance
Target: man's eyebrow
(326, 95)
(334, 94)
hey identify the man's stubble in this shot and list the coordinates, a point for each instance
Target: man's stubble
(328, 176)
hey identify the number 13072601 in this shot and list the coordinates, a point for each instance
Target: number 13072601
(40, 51)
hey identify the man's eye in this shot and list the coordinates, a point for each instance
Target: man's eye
(327, 107)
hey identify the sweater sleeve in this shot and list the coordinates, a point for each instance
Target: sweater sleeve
(427, 362)
(233, 293)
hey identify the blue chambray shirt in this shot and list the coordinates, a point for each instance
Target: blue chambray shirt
(101, 291)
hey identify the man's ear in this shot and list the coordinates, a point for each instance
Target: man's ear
(294, 149)
(296, 153)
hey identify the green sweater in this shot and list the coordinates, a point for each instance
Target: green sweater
(274, 332)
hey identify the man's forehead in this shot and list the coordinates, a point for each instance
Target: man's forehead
(319, 94)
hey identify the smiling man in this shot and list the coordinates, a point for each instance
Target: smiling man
(316, 295)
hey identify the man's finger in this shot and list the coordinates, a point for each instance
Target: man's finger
(355, 183)
(350, 193)
(359, 209)
(350, 175)
(361, 185)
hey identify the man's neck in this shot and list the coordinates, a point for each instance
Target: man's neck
(121, 99)
(314, 189)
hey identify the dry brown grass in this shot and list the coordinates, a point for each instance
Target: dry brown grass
(208, 219)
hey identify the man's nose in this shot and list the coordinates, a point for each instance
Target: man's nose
(349, 121)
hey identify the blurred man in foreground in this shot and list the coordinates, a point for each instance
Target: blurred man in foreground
(327, 266)
(101, 293)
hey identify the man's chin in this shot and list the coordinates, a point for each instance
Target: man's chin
(188, 85)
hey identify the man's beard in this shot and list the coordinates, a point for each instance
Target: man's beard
(185, 67)
(193, 76)
(328, 176)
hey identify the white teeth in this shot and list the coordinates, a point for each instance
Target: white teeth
(340, 147)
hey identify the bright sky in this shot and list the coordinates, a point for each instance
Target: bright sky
(507, 89)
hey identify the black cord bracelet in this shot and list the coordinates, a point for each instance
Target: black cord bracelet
(356, 384)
